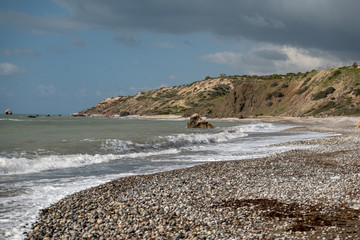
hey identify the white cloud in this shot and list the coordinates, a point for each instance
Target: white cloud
(226, 57)
(274, 59)
(9, 69)
(171, 77)
(20, 52)
(46, 90)
(163, 44)
(164, 85)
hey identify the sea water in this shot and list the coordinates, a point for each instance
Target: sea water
(44, 159)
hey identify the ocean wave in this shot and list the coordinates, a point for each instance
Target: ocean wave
(219, 135)
(224, 135)
(12, 119)
(116, 149)
(23, 165)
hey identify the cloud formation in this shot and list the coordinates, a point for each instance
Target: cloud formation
(7, 69)
(20, 52)
(271, 58)
(323, 24)
(296, 33)
(128, 41)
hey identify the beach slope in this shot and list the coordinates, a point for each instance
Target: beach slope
(300, 194)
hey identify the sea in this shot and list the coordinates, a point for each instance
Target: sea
(45, 158)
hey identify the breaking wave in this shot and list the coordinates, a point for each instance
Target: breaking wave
(116, 149)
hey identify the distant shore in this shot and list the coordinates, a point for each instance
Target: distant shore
(340, 124)
(300, 194)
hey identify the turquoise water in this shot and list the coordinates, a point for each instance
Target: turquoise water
(46, 158)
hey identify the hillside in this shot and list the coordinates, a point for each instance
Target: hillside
(316, 93)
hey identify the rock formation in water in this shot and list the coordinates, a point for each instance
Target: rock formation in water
(197, 122)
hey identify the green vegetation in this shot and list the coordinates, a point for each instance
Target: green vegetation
(276, 76)
(356, 92)
(220, 90)
(323, 94)
(324, 108)
(335, 74)
(305, 82)
(276, 94)
(167, 94)
(274, 84)
(302, 90)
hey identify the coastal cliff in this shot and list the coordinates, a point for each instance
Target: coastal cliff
(317, 93)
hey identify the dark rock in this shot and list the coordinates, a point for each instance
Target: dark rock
(197, 122)
(124, 114)
(32, 116)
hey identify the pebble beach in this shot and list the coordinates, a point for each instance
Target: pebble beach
(300, 194)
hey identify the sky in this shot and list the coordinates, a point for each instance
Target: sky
(63, 56)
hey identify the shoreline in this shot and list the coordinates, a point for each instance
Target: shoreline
(296, 194)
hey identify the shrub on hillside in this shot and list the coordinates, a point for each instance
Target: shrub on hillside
(335, 74)
(220, 90)
(302, 90)
(276, 94)
(329, 90)
(268, 96)
(356, 92)
(323, 94)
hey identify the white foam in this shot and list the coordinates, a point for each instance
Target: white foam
(11, 119)
(23, 209)
(24, 165)
(224, 135)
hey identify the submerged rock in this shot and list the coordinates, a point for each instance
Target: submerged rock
(197, 122)
(8, 112)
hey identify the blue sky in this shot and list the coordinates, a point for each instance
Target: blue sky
(62, 56)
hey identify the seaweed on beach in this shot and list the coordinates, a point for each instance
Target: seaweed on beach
(304, 218)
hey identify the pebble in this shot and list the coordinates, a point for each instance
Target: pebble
(300, 194)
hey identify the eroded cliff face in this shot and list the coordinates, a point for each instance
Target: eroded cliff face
(315, 93)
(319, 93)
(241, 101)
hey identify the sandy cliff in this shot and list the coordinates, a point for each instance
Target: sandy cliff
(316, 93)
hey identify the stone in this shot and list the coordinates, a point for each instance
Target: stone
(8, 112)
(197, 122)
(124, 114)
(78, 115)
